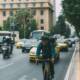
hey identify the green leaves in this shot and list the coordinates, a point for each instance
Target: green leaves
(61, 27)
(71, 9)
(24, 22)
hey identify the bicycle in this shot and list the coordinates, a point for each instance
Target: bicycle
(46, 71)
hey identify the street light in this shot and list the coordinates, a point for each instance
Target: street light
(12, 28)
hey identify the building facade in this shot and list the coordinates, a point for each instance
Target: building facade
(43, 11)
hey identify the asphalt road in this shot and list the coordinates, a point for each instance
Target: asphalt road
(19, 68)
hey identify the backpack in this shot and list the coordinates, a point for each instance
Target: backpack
(46, 50)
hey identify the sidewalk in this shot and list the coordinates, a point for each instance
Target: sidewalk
(78, 65)
(73, 72)
(76, 75)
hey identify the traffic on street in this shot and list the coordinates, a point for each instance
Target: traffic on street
(39, 39)
(18, 66)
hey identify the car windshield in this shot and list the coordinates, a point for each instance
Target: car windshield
(37, 35)
(1, 38)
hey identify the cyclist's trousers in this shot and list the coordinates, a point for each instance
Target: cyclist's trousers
(51, 67)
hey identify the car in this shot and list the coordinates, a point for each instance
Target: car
(69, 42)
(1, 43)
(29, 43)
(32, 54)
(62, 46)
(26, 47)
(19, 44)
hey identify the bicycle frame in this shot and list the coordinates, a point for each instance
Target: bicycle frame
(46, 71)
(47, 67)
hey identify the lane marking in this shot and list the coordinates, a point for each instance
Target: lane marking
(23, 77)
(34, 79)
(5, 66)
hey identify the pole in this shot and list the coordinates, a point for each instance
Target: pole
(24, 30)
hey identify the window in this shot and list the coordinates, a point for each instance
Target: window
(12, 0)
(33, 0)
(11, 5)
(4, 0)
(33, 12)
(19, 5)
(42, 28)
(41, 4)
(11, 12)
(41, 12)
(34, 4)
(4, 13)
(4, 5)
(26, 5)
(42, 21)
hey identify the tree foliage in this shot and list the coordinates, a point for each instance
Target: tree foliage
(7, 23)
(61, 27)
(71, 10)
(24, 22)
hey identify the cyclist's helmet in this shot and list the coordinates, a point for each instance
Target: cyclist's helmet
(43, 38)
(52, 39)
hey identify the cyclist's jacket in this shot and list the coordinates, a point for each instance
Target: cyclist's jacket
(47, 51)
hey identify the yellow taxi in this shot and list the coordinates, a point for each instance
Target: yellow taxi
(19, 44)
(62, 46)
(32, 54)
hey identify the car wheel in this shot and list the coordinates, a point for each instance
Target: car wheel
(66, 50)
(58, 57)
(30, 60)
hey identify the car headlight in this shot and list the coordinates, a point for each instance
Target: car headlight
(4, 48)
(32, 53)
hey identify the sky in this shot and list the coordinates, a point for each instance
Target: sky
(58, 7)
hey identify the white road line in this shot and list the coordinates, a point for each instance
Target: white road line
(5, 66)
(23, 77)
(34, 79)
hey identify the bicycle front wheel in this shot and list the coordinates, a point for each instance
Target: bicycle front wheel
(46, 75)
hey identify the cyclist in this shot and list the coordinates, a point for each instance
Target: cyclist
(46, 49)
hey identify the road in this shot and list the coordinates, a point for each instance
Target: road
(19, 68)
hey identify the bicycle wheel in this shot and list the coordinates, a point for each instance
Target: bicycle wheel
(46, 75)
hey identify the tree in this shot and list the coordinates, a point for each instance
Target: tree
(7, 23)
(25, 22)
(71, 10)
(0, 28)
(61, 27)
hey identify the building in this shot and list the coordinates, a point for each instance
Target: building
(42, 9)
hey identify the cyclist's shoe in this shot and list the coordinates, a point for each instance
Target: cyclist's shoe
(52, 76)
